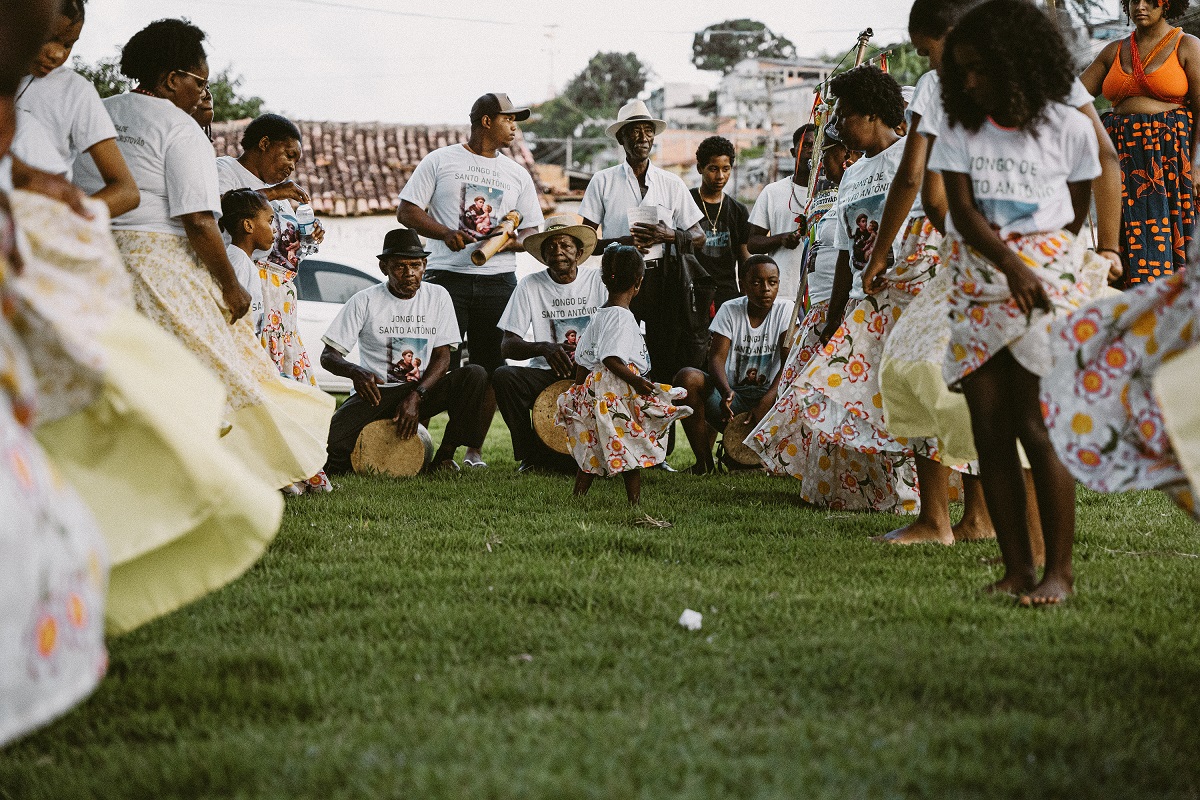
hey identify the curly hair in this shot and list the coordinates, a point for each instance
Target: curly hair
(240, 204)
(1027, 63)
(74, 10)
(163, 47)
(621, 267)
(714, 147)
(871, 91)
(275, 127)
(1171, 8)
(935, 18)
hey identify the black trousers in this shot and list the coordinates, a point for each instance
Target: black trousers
(479, 302)
(516, 389)
(662, 327)
(459, 393)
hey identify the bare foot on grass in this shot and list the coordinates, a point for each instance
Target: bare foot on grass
(973, 529)
(1014, 585)
(1052, 591)
(918, 533)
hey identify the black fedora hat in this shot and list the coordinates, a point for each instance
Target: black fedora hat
(403, 242)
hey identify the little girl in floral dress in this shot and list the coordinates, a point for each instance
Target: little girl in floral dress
(616, 419)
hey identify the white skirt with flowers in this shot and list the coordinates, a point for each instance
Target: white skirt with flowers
(613, 429)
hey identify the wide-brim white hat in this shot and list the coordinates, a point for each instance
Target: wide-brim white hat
(635, 111)
(570, 224)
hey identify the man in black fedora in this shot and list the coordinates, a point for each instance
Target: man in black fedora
(397, 324)
(457, 196)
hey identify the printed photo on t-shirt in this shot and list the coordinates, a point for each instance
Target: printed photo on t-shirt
(480, 206)
(567, 331)
(286, 252)
(864, 229)
(752, 371)
(406, 359)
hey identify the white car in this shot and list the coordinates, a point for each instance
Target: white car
(323, 287)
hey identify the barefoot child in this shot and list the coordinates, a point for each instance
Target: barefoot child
(748, 340)
(246, 215)
(1017, 165)
(616, 419)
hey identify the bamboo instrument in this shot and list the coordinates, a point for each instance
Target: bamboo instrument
(496, 243)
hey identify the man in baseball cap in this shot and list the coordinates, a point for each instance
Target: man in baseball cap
(493, 105)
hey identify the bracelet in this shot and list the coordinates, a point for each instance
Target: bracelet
(1116, 253)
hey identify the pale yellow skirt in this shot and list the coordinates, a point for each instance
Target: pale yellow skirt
(280, 427)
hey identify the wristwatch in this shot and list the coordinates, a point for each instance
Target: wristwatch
(420, 390)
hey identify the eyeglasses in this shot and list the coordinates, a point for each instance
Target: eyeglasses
(202, 82)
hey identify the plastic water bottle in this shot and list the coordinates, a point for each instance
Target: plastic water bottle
(306, 223)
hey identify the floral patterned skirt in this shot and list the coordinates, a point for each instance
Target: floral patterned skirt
(1099, 400)
(612, 429)
(984, 318)
(830, 475)
(281, 338)
(54, 571)
(1158, 214)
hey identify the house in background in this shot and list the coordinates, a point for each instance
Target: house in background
(358, 168)
(762, 93)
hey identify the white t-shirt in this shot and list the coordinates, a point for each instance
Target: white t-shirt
(613, 331)
(1019, 179)
(247, 274)
(232, 175)
(775, 211)
(171, 159)
(927, 101)
(67, 104)
(822, 253)
(396, 338)
(555, 312)
(462, 190)
(859, 208)
(34, 145)
(754, 355)
(613, 191)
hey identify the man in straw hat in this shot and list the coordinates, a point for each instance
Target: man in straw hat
(394, 324)
(552, 308)
(659, 203)
(455, 198)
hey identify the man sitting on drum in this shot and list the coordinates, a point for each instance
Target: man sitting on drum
(746, 351)
(394, 324)
(552, 308)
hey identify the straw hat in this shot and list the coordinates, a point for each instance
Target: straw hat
(380, 449)
(570, 224)
(634, 111)
(545, 407)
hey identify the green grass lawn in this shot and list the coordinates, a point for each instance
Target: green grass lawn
(486, 635)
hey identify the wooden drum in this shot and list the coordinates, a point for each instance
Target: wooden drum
(545, 408)
(732, 440)
(380, 450)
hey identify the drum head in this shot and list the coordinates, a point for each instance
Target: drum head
(379, 449)
(545, 408)
(735, 433)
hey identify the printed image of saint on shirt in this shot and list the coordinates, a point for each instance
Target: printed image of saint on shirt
(863, 224)
(567, 332)
(406, 358)
(480, 208)
(752, 371)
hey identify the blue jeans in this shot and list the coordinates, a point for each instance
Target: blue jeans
(744, 399)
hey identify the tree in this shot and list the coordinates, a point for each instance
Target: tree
(719, 47)
(591, 98)
(904, 64)
(106, 76)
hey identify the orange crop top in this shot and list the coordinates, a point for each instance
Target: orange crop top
(1168, 83)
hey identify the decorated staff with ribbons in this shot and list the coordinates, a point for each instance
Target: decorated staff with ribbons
(777, 224)
(457, 198)
(397, 325)
(553, 308)
(639, 204)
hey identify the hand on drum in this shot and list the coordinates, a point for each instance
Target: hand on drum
(366, 384)
(727, 408)
(408, 416)
(559, 359)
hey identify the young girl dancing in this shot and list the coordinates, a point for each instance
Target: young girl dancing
(616, 419)
(1017, 165)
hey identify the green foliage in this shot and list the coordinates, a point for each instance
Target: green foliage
(486, 635)
(904, 64)
(105, 75)
(228, 104)
(719, 47)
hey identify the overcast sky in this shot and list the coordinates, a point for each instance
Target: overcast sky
(345, 60)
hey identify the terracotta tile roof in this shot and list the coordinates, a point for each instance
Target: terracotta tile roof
(357, 168)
